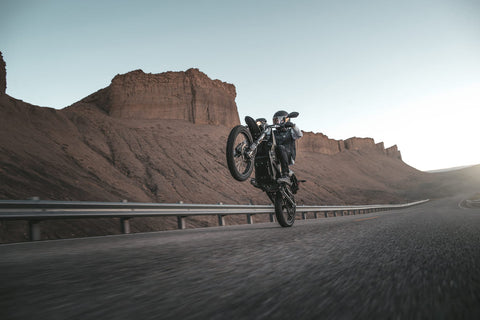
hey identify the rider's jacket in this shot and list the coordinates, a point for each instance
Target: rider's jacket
(287, 137)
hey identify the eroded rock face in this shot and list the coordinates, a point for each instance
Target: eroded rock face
(355, 143)
(320, 143)
(189, 95)
(3, 75)
(394, 152)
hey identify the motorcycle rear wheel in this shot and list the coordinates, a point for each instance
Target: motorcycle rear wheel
(239, 165)
(284, 210)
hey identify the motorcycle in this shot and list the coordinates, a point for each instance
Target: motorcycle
(254, 145)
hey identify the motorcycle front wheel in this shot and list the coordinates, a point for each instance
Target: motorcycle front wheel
(285, 210)
(239, 164)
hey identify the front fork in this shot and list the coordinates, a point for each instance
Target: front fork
(287, 195)
(250, 153)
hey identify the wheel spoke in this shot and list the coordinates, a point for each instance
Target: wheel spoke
(238, 142)
(241, 162)
(285, 208)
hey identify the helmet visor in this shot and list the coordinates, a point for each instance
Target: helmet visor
(279, 120)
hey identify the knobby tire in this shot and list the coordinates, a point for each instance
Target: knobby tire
(239, 165)
(284, 210)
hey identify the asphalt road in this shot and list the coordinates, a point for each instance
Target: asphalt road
(417, 263)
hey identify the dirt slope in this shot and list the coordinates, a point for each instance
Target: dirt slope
(81, 153)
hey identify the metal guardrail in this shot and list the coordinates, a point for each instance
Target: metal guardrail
(35, 211)
(472, 203)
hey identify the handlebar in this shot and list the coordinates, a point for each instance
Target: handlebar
(255, 144)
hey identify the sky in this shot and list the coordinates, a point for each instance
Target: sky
(400, 72)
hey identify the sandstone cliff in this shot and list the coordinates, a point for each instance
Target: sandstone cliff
(320, 143)
(189, 95)
(394, 152)
(3, 75)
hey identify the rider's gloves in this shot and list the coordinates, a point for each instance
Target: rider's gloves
(289, 125)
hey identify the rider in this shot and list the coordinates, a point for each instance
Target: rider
(285, 137)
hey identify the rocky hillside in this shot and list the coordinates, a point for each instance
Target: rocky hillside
(82, 153)
(161, 138)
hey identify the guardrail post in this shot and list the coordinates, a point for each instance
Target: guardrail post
(181, 222)
(304, 215)
(221, 220)
(326, 214)
(250, 215)
(334, 213)
(125, 223)
(315, 215)
(221, 217)
(272, 217)
(34, 228)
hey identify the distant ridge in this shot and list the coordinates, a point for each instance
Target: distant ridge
(450, 169)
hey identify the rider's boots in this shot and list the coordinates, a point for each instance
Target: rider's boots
(284, 179)
(254, 183)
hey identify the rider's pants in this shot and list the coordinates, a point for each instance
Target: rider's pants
(283, 155)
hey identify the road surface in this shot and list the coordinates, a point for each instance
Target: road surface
(416, 263)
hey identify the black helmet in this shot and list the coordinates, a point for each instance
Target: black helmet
(280, 117)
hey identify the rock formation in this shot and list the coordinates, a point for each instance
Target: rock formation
(320, 143)
(3, 75)
(189, 95)
(193, 96)
(394, 152)
(359, 143)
